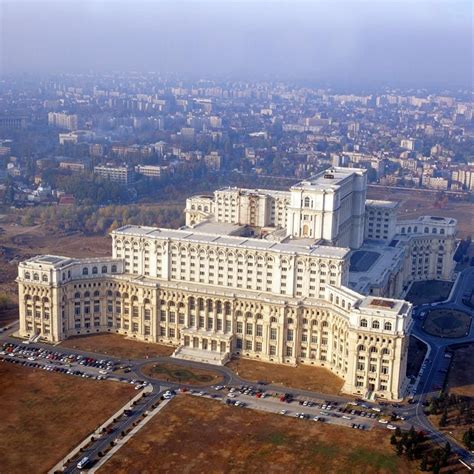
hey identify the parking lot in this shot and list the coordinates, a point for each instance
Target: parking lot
(61, 362)
(356, 414)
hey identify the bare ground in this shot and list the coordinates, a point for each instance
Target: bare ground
(196, 435)
(44, 415)
(312, 378)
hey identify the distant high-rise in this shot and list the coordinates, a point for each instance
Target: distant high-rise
(62, 120)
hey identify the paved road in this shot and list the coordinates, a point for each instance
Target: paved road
(435, 372)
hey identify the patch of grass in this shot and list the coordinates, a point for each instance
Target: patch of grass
(181, 374)
(278, 439)
(324, 449)
(380, 461)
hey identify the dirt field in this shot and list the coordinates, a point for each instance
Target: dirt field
(117, 346)
(306, 377)
(182, 374)
(461, 375)
(199, 435)
(43, 415)
(18, 243)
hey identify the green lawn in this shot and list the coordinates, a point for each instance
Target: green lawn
(430, 291)
(447, 323)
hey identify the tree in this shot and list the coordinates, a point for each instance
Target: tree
(447, 448)
(398, 431)
(4, 301)
(400, 448)
(393, 439)
(444, 419)
(424, 463)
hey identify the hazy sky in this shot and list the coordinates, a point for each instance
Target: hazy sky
(408, 42)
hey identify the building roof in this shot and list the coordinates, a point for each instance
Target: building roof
(232, 241)
(330, 179)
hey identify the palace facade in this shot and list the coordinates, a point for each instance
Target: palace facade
(254, 277)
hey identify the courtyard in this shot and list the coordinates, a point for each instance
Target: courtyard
(431, 291)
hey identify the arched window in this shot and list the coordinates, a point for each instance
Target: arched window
(434, 230)
(373, 350)
(94, 271)
(427, 230)
(146, 301)
(35, 277)
(409, 230)
(290, 321)
(363, 323)
(403, 230)
(44, 277)
(109, 293)
(104, 269)
(314, 322)
(385, 351)
(85, 271)
(325, 324)
(114, 269)
(87, 294)
(273, 319)
(305, 321)
(258, 316)
(441, 231)
(45, 299)
(27, 275)
(307, 202)
(387, 326)
(375, 325)
(361, 348)
(96, 293)
(77, 295)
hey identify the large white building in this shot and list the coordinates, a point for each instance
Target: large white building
(249, 280)
(63, 120)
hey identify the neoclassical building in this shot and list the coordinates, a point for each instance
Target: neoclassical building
(217, 288)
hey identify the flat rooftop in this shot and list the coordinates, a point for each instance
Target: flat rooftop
(376, 303)
(249, 191)
(190, 235)
(331, 178)
(382, 204)
(57, 261)
(372, 265)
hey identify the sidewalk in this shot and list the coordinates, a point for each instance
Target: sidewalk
(59, 466)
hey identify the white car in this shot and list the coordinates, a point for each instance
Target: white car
(384, 422)
(391, 427)
(283, 412)
(347, 417)
(167, 395)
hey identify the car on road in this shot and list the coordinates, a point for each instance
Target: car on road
(383, 421)
(83, 463)
(283, 412)
(391, 427)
